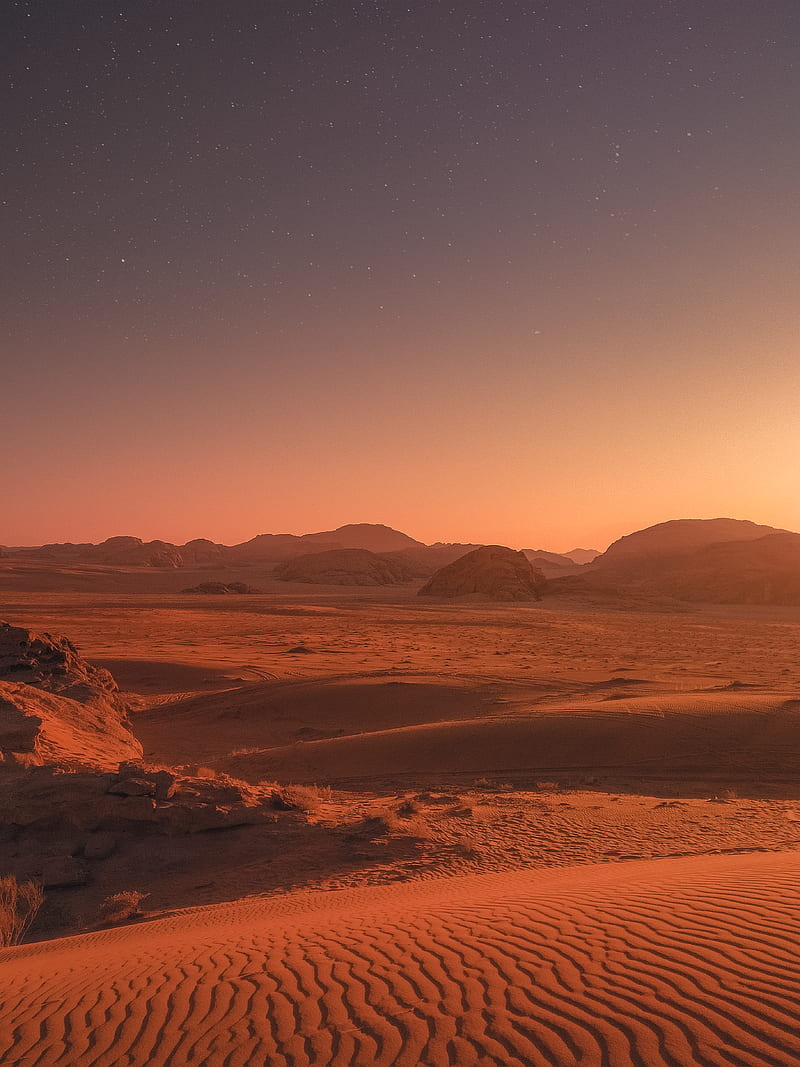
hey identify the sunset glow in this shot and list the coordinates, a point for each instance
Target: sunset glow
(494, 274)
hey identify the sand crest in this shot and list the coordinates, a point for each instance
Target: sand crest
(673, 962)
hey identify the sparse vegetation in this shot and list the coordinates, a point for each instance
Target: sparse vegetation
(19, 905)
(406, 823)
(466, 848)
(121, 906)
(307, 798)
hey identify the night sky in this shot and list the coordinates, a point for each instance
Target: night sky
(525, 273)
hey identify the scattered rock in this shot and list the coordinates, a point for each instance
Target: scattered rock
(281, 802)
(133, 787)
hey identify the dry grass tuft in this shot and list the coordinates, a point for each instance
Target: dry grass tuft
(121, 906)
(19, 905)
(306, 798)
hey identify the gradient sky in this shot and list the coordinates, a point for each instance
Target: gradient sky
(492, 271)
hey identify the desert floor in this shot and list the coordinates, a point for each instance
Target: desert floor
(541, 834)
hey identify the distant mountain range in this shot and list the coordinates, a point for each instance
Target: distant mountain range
(279, 548)
(265, 548)
(726, 561)
(696, 560)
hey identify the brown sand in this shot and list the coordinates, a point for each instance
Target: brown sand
(494, 771)
(669, 962)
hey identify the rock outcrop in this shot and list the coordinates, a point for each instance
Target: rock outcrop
(494, 571)
(55, 707)
(346, 566)
(132, 798)
(58, 827)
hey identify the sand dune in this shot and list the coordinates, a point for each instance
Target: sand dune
(671, 962)
(351, 729)
(283, 712)
(498, 747)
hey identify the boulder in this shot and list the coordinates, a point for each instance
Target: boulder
(495, 572)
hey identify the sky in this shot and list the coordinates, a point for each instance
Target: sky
(493, 271)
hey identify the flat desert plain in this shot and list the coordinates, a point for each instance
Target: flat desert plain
(541, 834)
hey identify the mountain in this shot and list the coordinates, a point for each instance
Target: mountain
(494, 571)
(669, 540)
(761, 571)
(115, 552)
(551, 564)
(200, 552)
(582, 555)
(425, 560)
(363, 535)
(346, 566)
(730, 561)
(372, 536)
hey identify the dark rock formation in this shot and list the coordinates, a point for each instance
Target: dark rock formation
(347, 566)
(496, 572)
(56, 707)
(704, 560)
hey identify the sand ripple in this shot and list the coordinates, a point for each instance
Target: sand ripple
(674, 962)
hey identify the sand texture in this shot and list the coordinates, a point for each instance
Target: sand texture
(671, 962)
(372, 828)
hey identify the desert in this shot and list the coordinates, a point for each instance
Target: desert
(399, 534)
(551, 822)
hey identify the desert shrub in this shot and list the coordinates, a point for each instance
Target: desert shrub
(406, 825)
(307, 798)
(121, 906)
(417, 827)
(19, 904)
(466, 848)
